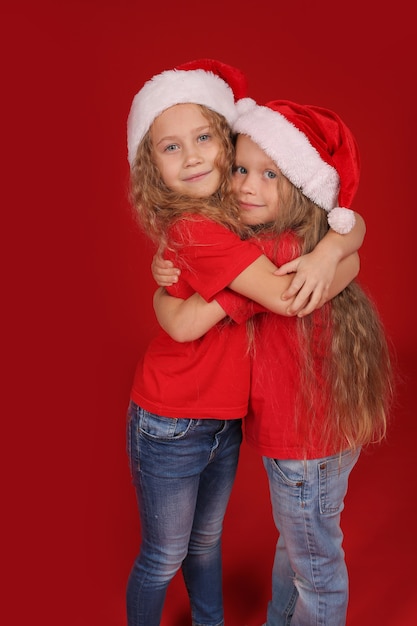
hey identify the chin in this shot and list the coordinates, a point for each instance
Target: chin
(250, 220)
(205, 192)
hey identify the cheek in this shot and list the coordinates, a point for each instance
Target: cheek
(234, 184)
(275, 202)
(165, 170)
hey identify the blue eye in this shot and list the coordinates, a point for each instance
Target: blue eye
(204, 137)
(171, 148)
(270, 174)
(239, 169)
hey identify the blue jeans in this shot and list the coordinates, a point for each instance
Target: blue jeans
(309, 577)
(183, 472)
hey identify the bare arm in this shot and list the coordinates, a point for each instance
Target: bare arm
(259, 283)
(320, 275)
(186, 320)
(251, 282)
(325, 278)
(313, 273)
(316, 271)
(346, 271)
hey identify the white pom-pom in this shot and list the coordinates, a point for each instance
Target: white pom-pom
(245, 105)
(341, 220)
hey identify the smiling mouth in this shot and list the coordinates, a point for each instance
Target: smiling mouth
(246, 206)
(196, 177)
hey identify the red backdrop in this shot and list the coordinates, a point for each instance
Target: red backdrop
(77, 289)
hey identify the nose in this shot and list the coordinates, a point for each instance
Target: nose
(192, 155)
(247, 184)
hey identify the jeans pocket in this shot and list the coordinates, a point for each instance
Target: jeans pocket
(333, 480)
(163, 428)
(290, 472)
(130, 426)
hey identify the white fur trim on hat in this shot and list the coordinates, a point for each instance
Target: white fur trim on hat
(176, 87)
(297, 159)
(290, 149)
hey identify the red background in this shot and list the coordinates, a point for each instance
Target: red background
(77, 290)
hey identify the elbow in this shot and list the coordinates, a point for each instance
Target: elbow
(282, 308)
(357, 265)
(182, 334)
(179, 335)
(362, 226)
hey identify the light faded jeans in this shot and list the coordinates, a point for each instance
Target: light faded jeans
(309, 578)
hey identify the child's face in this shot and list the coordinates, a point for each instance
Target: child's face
(255, 183)
(185, 150)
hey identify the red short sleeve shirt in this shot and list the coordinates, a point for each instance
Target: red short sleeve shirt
(208, 377)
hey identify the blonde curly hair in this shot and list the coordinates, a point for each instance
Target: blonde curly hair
(356, 360)
(157, 207)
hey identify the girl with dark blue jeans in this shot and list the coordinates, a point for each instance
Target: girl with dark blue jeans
(183, 471)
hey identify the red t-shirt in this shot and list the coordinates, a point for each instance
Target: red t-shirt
(274, 426)
(208, 377)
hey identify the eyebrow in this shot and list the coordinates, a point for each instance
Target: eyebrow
(197, 131)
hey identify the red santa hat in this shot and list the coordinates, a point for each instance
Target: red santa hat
(211, 83)
(312, 147)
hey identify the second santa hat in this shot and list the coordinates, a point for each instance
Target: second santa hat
(312, 147)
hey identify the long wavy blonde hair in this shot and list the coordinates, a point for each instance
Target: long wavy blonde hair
(356, 368)
(157, 207)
